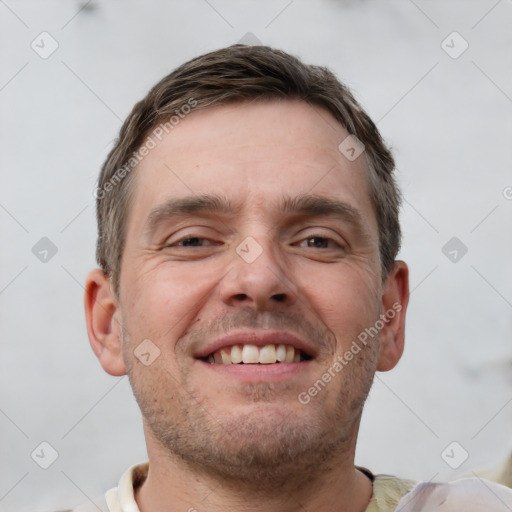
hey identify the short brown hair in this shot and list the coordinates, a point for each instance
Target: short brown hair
(240, 73)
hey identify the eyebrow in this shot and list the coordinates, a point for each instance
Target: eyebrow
(317, 206)
(213, 204)
(178, 207)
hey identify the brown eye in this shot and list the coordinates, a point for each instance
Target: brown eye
(192, 242)
(318, 242)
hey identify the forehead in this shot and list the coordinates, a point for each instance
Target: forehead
(254, 152)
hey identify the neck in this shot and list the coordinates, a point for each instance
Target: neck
(173, 484)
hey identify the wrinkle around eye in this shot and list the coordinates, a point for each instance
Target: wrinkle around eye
(175, 251)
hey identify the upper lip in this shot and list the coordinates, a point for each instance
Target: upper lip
(258, 338)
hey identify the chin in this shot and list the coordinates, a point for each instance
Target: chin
(265, 446)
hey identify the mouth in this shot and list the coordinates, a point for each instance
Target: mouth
(255, 355)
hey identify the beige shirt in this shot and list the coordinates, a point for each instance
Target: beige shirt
(387, 491)
(390, 494)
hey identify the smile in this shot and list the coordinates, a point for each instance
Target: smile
(252, 354)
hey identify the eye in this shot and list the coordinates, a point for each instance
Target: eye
(193, 241)
(320, 242)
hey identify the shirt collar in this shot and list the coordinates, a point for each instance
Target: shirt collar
(122, 497)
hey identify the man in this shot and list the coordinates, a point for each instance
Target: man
(248, 230)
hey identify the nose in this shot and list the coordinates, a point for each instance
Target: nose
(257, 278)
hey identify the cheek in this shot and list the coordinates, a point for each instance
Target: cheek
(347, 301)
(165, 297)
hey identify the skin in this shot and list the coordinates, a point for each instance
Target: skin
(223, 441)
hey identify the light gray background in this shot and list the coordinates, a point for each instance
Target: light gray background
(449, 122)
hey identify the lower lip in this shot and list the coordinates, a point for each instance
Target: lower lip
(259, 371)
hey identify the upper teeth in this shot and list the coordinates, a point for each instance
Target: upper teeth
(252, 354)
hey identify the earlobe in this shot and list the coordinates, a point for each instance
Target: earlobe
(103, 327)
(395, 299)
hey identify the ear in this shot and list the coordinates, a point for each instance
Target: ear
(103, 326)
(395, 298)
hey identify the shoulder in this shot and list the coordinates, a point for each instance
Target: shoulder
(468, 494)
(387, 492)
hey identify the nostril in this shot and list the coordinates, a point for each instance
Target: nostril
(279, 297)
(241, 296)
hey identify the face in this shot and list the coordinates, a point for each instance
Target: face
(251, 237)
